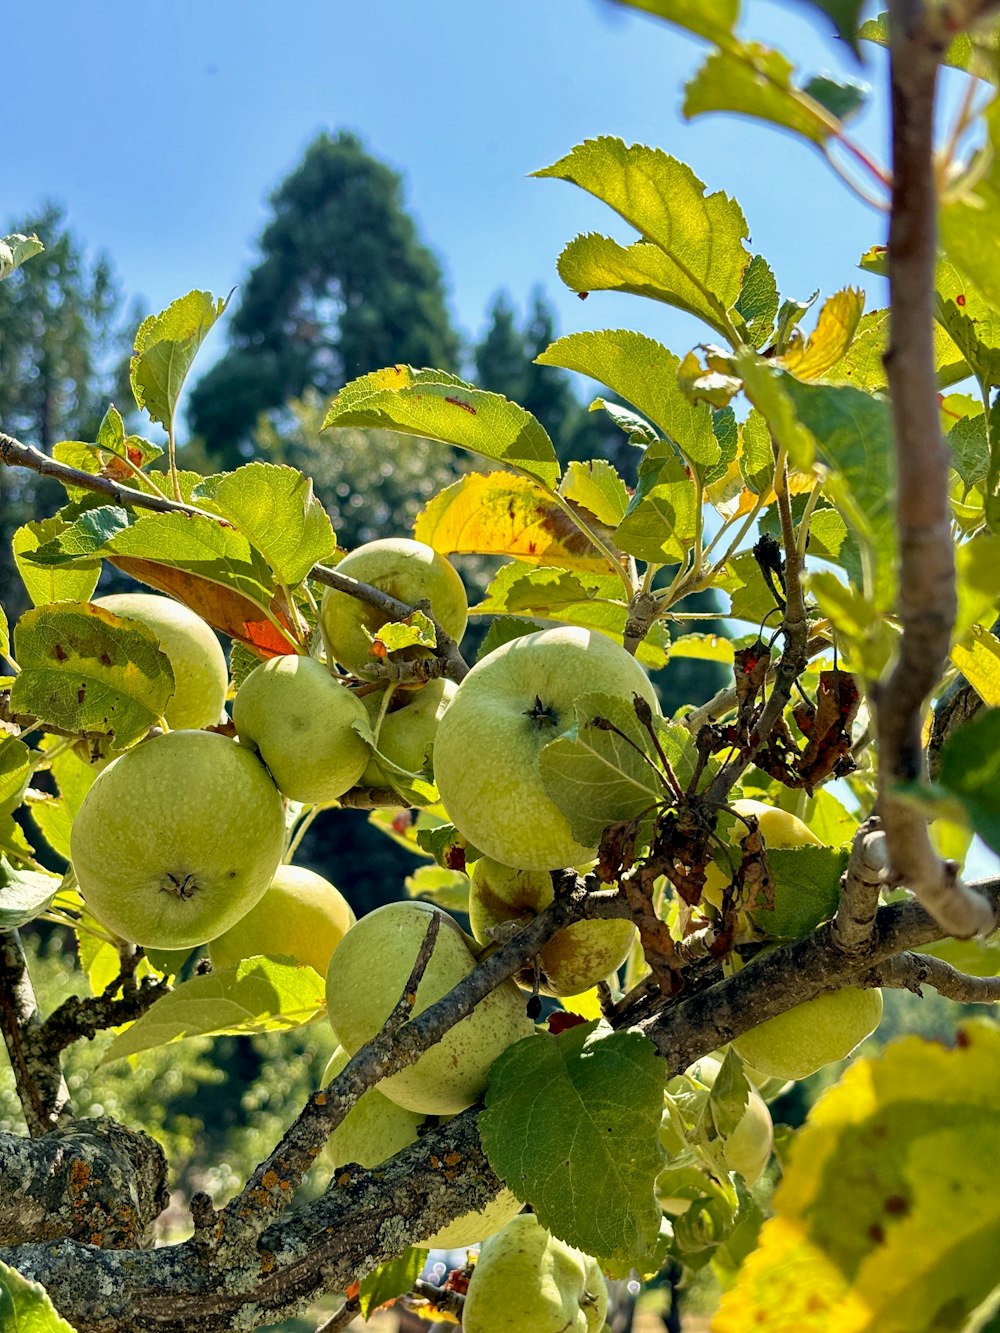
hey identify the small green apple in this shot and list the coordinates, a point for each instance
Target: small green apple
(301, 915)
(301, 720)
(801, 1040)
(375, 1129)
(511, 704)
(747, 1149)
(408, 730)
(406, 570)
(526, 1281)
(201, 677)
(364, 982)
(177, 839)
(575, 958)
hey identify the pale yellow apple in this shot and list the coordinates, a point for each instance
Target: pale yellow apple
(178, 839)
(507, 709)
(796, 1043)
(780, 831)
(527, 1281)
(574, 959)
(407, 570)
(301, 915)
(302, 722)
(365, 980)
(201, 677)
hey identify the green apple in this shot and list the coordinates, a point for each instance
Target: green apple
(575, 958)
(511, 704)
(747, 1149)
(526, 1281)
(177, 839)
(364, 982)
(780, 830)
(201, 677)
(407, 570)
(301, 720)
(301, 915)
(801, 1040)
(408, 728)
(375, 1129)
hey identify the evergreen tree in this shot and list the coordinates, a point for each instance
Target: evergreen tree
(344, 285)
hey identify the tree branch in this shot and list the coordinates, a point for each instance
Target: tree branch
(859, 889)
(910, 971)
(926, 556)
(38, 1076)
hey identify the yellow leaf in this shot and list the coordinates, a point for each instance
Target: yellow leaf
(887, 1219)
(500, 513)
(978, 659)
(810, 359)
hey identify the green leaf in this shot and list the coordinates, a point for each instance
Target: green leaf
(415, 629)
(806, 890)
(977, 656)
(15, 250)
(24, 894)
(598, 777)
(969, 220)
(886, 1220)
(970, 769)
(967, 439)
(275, 509)
(165, 346)
(699, 237)
(757, 303)
(976, 958)
(75, 544)
(749, 79)
(572, 598)
(714, 22)
(258, 995)
(846, 15)
(977, 568)
(865, 638)
(15, 770)
(84, 669)
(448, 888)
(642, 371)
(25, 1306)
(640, 433)
(49, 583)
(703, 648)
(449, 410)
(54, 815)
(502, 629)
(4, 634)
(661, 521)
(596, 487)
(447, 846)
(767, 389)
(571, 1125)
(751, 597)
(393, 1279)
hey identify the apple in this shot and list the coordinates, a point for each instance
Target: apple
(527, 1281)
(407, 570)
(177, 839)
(301, 720)
(511, 704)
(747, 1149)
(408, 730)
(301, 915)
(779, 829)
(201, 677)
(796, 1043)
(364, 982)
(575, 958)
(375, 1129)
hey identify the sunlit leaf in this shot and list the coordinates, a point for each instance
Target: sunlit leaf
(757, 303)
(49, 583)
(15, 770)
(661, 521)
(25, 1306)
(500, 513)
(260, 994)
(969, 220)
(886, 1220)
(810, 358)
(24, 894)
(977, 656)
(451, 411)
(571, 1125)
(165, 347)
(15, 250)
(393, 1279)
(597, 487)
(714, 21)
(970, 770)
(977, 52)
(448, 888)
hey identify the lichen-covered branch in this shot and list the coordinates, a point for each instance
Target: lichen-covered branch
(918, 34)
(38, 1077)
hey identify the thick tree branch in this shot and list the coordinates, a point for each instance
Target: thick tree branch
(859, 890)
(918, 36)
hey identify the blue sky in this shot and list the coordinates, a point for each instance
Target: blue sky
(162, 127)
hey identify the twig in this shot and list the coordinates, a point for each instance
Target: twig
(445, 1302)
(342, 1317)
(38, 1075)
(859, 890)
(910, 971)
(917, 39)
(76, 1018)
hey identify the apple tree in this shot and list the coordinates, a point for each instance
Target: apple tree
(711, 904)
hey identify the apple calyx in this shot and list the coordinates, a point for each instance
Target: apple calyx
(543, 714)
(183, 887)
